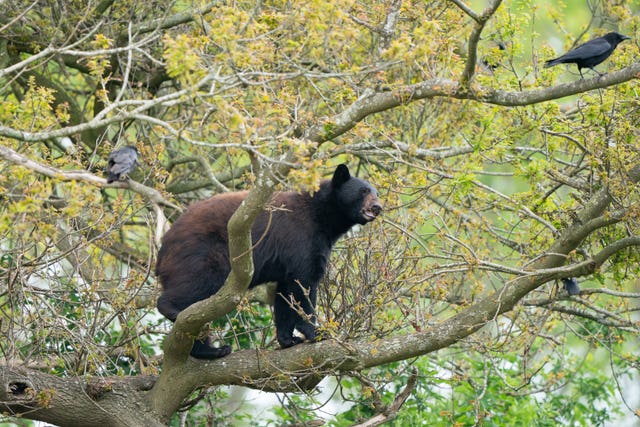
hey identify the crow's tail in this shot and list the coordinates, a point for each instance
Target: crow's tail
(552, 62)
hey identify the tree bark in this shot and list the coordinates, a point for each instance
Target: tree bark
(75, 401)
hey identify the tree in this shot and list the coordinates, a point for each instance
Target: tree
(498, 181)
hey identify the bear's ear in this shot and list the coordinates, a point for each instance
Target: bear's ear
(340, 176)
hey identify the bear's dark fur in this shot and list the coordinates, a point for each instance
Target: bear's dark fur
(293, 250)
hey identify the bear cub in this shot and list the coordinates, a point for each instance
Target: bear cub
(291, 248)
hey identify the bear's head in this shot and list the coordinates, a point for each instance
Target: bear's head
(356, 197)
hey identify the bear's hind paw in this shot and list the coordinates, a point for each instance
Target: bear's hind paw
(286, 343)
(202, 349)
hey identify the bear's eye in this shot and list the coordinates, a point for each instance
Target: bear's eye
(365, 190)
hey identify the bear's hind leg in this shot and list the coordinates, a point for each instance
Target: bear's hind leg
(285, 319)
(303, 312)
(167, 307)
(202, 349)
(306, 325)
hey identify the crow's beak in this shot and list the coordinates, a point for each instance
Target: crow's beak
(626, 38)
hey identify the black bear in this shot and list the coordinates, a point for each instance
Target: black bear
(292, 245)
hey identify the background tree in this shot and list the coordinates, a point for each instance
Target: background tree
(499, 178)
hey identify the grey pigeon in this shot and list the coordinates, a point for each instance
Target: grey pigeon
(571, 285)
(591, 53)
(121, 162)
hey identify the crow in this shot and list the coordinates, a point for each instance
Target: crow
(571, 285)
(121, 162)
(591, 53)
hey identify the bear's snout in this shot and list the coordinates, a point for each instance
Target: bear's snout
(376, 208)
(372, 208)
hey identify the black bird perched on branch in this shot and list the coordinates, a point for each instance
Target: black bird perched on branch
(591, 53)
(121, 162)
(571, 285)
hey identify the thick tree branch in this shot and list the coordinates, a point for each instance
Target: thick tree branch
(474, 38)
(466, 9)
(371, 102)
(66, 401)
(173, 20)
(389, 27)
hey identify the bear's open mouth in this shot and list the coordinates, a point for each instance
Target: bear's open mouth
(369, 215)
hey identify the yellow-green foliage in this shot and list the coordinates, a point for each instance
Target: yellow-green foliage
(474, 192)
